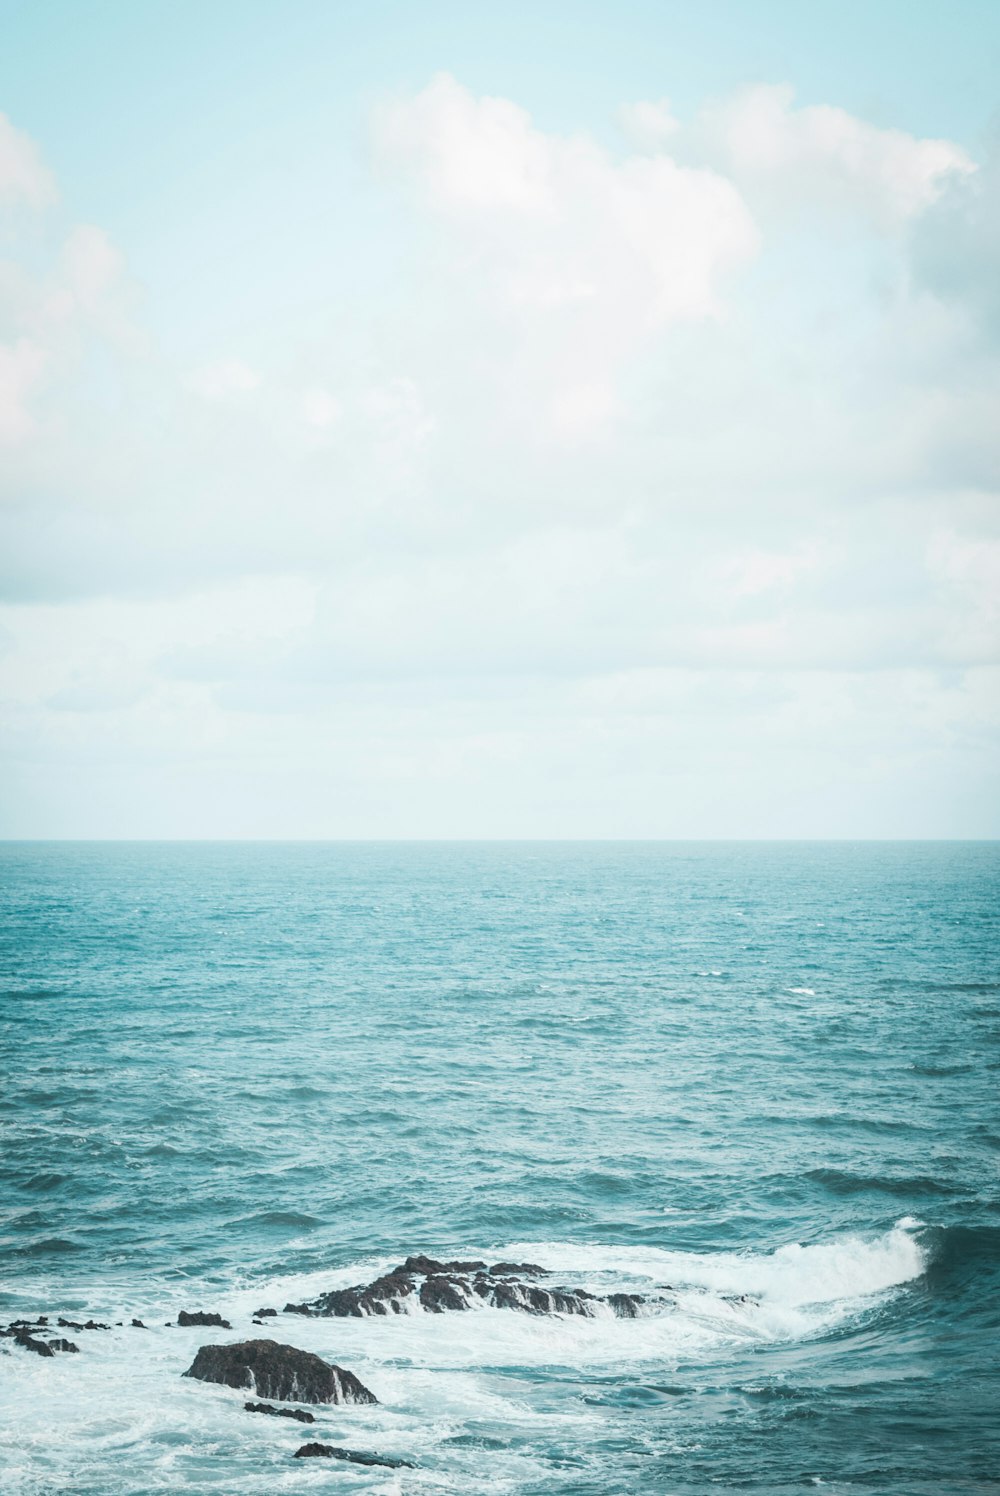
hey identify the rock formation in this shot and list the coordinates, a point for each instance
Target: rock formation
(279, 1371)
(442, 1287)
(331, 1452)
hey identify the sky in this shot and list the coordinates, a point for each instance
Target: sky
(549, 420)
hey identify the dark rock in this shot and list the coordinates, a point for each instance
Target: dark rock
(427, 1267)
(137, 1324)
(281, 1371)
(454, 1286)
(63, 1345)
(22, 1338)
(298, 1309)
(384, 1296)
(299, 1414)
(626, 1305)
(440, 1294)
(265, 1313)
(199, 1317)
(330, 1452)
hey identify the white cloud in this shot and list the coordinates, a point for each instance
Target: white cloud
(800, 157)
(607, 513)
(321, 409)
(558, 221)
(22, 365)
(23, 175)
(224, 378)
(648, 124)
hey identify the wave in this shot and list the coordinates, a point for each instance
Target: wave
(843, 1182)
(704, 1301)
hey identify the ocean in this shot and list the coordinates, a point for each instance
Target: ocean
(755, 1083)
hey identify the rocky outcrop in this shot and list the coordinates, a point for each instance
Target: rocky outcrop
(299, 1414)
(280, 1371)
(199, 1317)
(423, 1283)
(331, 1452)
(386, 1295)
(28, 1342)
(24, 1333)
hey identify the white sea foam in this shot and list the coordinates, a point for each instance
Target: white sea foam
(125, 1416)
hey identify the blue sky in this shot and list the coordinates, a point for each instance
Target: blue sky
(556, 420)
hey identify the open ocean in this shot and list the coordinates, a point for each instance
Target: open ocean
(767, 1075)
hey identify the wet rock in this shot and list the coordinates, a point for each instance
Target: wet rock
(265, 1313)
(279, 1371)
(73, 1324)
(137, 1324)
(384, 1296)
(440, 1294)
(331, 1452)
(199, 1317)
(625, 1305)
(428, 1267)
(298, 1309)
(445, 1287)
(64, 1345)
(299, 1414)
(29, 1343)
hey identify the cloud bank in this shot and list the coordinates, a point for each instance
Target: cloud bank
(657, 499)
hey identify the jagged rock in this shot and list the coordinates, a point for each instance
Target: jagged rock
(63, 1345)
(427, 1267)
(625, 1305)
(443, 1287)
(330, 1452)
(280, 1371)
(383, 1296)
(137, 1324)
(265, 1313)
(299, 1414)
(199, 1317)
(29, 1343)
(440, 1294)
(72, 1324)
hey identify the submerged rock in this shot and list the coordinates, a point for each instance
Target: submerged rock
(299, 1414)
(281, 1371)
(331, 1452)
(199, 1317)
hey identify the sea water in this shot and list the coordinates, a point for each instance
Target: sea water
(766, 1075)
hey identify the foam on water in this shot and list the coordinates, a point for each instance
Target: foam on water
(440, 1378)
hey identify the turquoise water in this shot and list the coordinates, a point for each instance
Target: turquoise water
(240, 1074)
